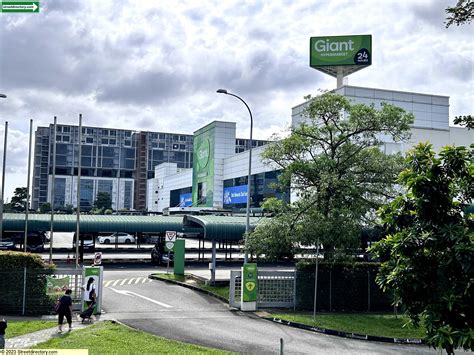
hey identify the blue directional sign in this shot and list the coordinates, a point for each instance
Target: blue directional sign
(235, 194)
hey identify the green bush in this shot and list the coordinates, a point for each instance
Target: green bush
(12, 283)
(341, 287)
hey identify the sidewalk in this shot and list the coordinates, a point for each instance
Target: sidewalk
(31, 339)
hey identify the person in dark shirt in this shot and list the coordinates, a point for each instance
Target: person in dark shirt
(3, 326)
(65, 310)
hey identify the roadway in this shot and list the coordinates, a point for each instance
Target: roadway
(181, 314)
(63, 242)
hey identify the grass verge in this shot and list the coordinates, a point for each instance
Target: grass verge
(113, 338)
(219, 290)
(386, 325)
(16, 328)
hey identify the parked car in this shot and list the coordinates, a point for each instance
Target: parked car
(159, 255)
(152, 239)
(7, 244)
(118, 237)
(88, 238)
(34, 242)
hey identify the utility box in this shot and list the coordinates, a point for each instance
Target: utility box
(179, 256)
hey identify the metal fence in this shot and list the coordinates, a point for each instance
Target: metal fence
(35, 291)
(276, 289)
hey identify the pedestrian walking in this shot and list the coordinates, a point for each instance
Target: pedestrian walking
(3, 326)
(65, 310)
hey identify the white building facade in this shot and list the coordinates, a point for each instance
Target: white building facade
(229, 172)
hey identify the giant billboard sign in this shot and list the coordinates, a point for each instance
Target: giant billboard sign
(340, 51)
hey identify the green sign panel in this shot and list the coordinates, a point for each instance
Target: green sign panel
(179, 257)
(249, 282)
(19, 6)
(203, 166)
(340, 51)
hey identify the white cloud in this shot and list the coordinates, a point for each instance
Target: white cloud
(156, 65)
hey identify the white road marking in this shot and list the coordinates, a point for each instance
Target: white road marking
(122, 282)
(107, 283)
(130, 293)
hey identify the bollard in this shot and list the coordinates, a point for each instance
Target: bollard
(282, 351)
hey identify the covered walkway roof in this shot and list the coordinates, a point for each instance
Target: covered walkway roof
(213, 227)
(96, 223)
(220, 227)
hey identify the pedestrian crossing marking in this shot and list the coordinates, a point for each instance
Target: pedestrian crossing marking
(122, 282)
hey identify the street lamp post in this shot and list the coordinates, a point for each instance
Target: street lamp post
(3, 96)
(247, 214)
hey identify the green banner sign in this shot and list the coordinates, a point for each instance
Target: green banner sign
(203, 166)
(249, 282)
(340, 51)
(19, 6)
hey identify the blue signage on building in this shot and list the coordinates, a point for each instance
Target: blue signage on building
(235, 194)
(185, 200)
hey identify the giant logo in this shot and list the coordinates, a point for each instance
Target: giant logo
(203, 153)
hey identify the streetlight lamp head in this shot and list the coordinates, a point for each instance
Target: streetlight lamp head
(3, 96)
(222, 91)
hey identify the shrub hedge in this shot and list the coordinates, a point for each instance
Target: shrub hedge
(341, 287)
(12, 282)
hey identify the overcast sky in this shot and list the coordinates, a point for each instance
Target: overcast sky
(155, 65)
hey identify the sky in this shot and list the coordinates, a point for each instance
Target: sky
(156, 65)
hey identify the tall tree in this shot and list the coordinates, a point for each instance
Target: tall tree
(460, 14)
(45, 207)
(428, 256)
(103, 201)
(466, 121)
(335, 163)
(19, 198)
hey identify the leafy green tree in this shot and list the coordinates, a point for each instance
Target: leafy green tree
(68, 209)
(103, 201)
(45, 207)
(18, 201)
(335, 163)
(428, 256)
(273, 239)
(460, 14)
(466, 121)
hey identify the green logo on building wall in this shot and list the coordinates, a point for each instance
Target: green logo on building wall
(203, 166)
(203, 153)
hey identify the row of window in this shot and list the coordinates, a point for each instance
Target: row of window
(173, 137)
(90, 130)
(174, 146)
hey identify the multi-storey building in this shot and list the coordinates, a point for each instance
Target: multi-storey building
(115, 161)
(227, 184)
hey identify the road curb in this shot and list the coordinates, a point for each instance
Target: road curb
(338, 333)
(342, 334)
(192, 287)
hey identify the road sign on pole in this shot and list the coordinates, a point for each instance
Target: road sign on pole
(98, 258)
(170, 238)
